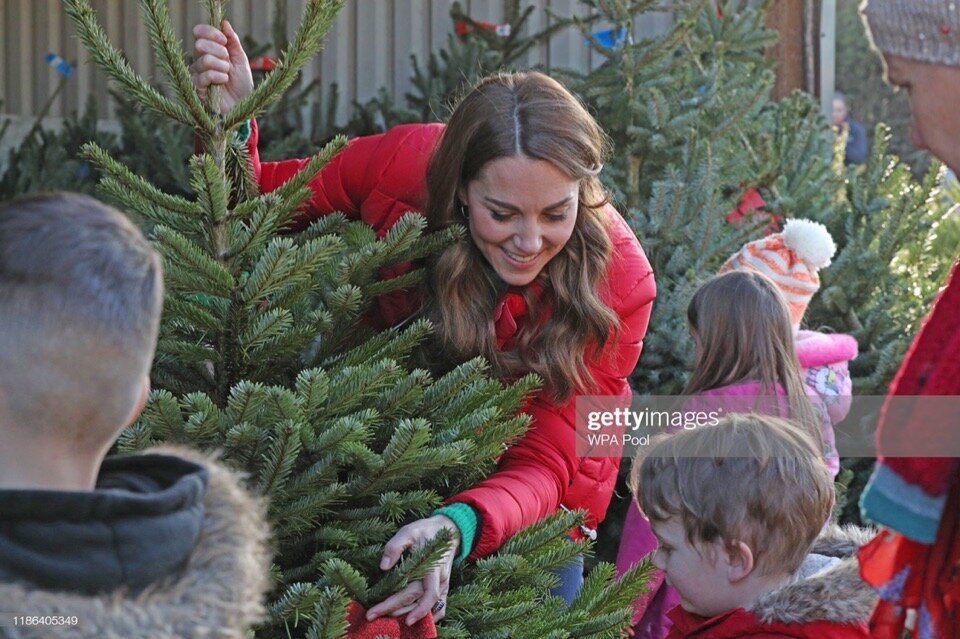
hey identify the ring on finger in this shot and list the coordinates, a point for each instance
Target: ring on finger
(437, 607)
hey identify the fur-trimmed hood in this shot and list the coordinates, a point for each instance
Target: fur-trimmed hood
(218, 594)
(825, 600)
(836, 594)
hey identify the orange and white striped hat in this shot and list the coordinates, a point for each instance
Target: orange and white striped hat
(791, 259)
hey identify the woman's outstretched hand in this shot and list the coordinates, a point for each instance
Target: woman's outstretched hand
(419, 598)
(221, 61)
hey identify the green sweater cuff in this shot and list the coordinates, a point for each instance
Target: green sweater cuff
(466, 520)
(242, 134)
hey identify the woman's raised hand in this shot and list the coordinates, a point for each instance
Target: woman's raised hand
(221, 60)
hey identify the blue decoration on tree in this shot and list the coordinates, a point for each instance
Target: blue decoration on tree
(60, 65)
(611, 38)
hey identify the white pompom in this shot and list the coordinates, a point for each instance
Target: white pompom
(810, 240)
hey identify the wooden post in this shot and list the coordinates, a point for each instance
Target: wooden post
(786, 18)
(827, 49)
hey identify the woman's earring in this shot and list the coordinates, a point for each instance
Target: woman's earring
(463, 210)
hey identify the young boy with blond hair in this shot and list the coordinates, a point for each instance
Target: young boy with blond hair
(164, 544)
(738, 510)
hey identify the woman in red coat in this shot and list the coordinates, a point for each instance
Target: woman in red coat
(915, 488)
(549, 279)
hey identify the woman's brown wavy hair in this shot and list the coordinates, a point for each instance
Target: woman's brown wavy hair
(534, 116)
(744, 334)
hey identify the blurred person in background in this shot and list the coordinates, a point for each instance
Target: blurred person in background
(856, 152)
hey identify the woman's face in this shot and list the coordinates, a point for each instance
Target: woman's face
(934, 91)
(521, 214)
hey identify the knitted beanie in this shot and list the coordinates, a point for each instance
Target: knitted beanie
(791, 259)
(924, 30)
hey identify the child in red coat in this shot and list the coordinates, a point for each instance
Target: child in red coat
(738, 511)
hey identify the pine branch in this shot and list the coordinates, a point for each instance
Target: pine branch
(351, 386)
(317, 20)
(136, 438)
(313, 388)
(281, 456)
(189, 267)
(216, 142)
(169, 51)
(305, 176)
(262, 218)
(298, 600)
(242, 443)
(330, 615)
(111, 60)
(281, 404)
(528, 542)
(162, 413)
(191, 316)
(405, 398)
(396, 505)
(265, 328)
(337, 435)
(275, 264)
(306, 513)
(322, 472)
(135, 184)
(451, 384)
(239, 169)
(504, 609)
(391, 344)
(184, 351)
(245, 401)
(409, 438)
(284, 268)
(611, 595)
(339, 574)
(211, 186)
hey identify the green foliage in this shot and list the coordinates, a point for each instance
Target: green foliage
(884, 224)
(148, 145)
(264, 354)
(47, 160)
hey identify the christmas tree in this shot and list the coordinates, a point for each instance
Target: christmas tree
(695, 129)
(48, 160)
(263, 355)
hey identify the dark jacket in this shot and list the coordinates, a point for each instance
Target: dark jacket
(169, 545)
(856, 151)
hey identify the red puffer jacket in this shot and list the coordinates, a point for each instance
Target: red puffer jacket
(379, 178)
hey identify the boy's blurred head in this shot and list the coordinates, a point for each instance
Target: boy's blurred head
(738, 502)
(80, 299)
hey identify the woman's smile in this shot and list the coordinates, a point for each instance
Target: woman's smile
(522, 213)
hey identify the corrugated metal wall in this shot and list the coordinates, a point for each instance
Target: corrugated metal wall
(369, 46)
